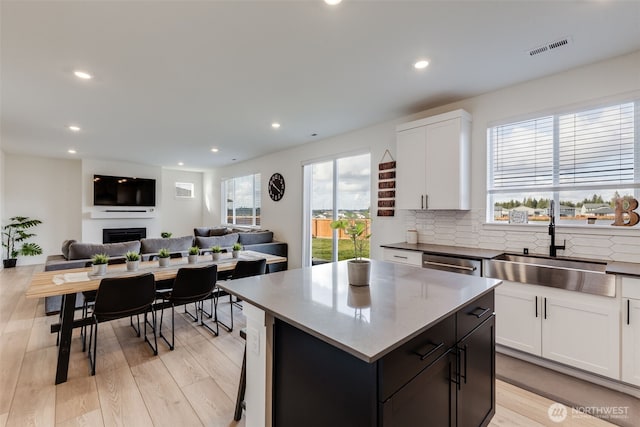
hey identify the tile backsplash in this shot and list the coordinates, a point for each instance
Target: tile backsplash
(468, 228)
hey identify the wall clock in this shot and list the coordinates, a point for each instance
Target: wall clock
(276, 187)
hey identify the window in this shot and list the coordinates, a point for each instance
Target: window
(336, 188)
(184, 190)
(581, 160)
(241, 200)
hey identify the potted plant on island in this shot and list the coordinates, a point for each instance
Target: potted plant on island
(235, 251)
(215, 252)
(359, 269)
(100, 262)
(194, 251)
(15, 232)
(133, 260)
(163, 257)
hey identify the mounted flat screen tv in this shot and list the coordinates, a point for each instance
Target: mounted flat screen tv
(123, 191)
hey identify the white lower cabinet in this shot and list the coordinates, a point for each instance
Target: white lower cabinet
(400, 256)
(573, 328)
(631, 330)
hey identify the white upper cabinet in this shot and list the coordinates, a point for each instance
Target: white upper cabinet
(433, 162)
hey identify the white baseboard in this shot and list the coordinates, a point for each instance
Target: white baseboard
(577, 373)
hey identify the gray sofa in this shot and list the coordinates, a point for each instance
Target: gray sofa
(78, 254)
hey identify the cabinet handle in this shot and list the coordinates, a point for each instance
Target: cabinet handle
(545, 308)
(464, 350)
(421, 201)
(426, 201)
(442, 264)
(430, 352)
(482, 312)
(628, 311)
(401, 257)
(536, 306)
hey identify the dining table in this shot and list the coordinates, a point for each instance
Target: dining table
(68, 283)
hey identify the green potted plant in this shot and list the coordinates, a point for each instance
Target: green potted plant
(359, 269)
(15, 232)
(194, 251)
(100, 262)
(235, 251)
(166, 234)
(215, 252)
(163, 257)
(133, 260)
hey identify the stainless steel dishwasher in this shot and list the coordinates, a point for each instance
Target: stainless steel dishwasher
(472, 267)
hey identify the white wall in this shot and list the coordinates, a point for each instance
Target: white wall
(582, 85)
(48, 190)
(180, 215)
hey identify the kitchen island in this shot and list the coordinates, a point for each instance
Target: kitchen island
(416, 347)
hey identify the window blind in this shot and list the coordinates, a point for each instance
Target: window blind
(522, 154)
(596, 146)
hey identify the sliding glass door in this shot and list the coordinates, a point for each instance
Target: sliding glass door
(335, 188)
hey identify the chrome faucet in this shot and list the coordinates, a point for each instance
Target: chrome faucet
(552, 232)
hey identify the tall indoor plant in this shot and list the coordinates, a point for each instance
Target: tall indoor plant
(359, 269)
(15, 233)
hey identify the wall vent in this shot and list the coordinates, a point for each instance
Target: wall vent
(550, 46)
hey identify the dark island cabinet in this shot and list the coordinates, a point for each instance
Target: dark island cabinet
(445, 376)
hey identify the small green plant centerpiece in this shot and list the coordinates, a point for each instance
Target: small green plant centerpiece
(235, 251)
(133, 260)
(215, 252)
(194, 251)
(163, 257)
(166, 234)
(359, 269)
(16, 232)
(100, 262)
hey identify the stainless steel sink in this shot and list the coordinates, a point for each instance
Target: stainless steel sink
(563, 273)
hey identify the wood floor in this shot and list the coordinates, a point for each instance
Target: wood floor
(193, 385)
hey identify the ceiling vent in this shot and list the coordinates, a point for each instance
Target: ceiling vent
(565, 41)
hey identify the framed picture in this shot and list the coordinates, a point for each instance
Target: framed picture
(185, 190)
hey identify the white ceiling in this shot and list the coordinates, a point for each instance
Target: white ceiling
(175, 78)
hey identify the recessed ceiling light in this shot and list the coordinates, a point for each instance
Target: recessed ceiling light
(180, 164)
(275, 125)
(74, 128)
(71, 151)
(423, 63)
(215, 150)
(82, 75)
(332, 2)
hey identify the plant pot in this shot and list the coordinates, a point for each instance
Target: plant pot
(215, 256)
(192, 259)
(133, 265)
(99, 269)
(235, 254)
(163, 262)
(9, 263)
(359, 271)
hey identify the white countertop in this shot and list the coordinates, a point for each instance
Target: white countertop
(367, 322)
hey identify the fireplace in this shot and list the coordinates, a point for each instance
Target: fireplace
(116, 235)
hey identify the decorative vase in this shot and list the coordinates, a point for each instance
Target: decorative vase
(359, 272)
(163, 262)
(235, 254)
(215, 256)
(192, 259)
(99, 269)
(133, 265)
(9, 263)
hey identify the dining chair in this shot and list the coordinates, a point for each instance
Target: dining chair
(191, 285)
(243, 268)
(119, 297)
